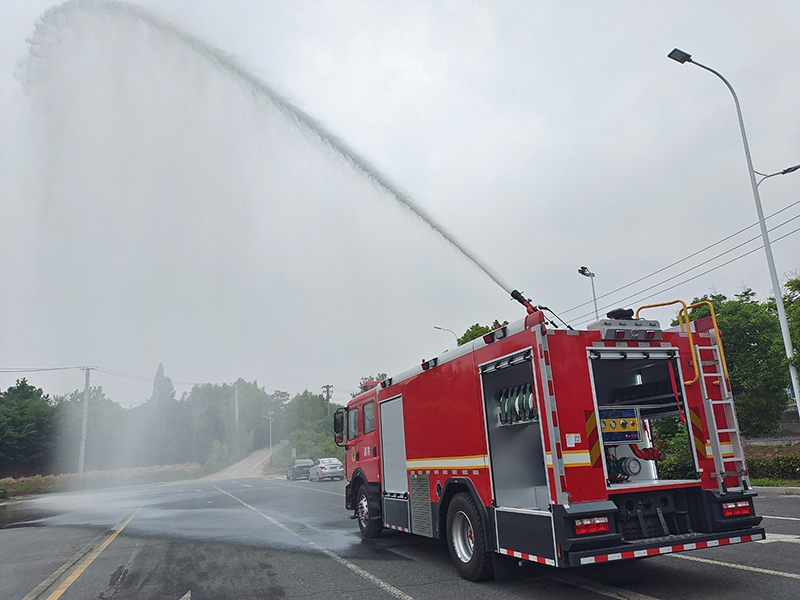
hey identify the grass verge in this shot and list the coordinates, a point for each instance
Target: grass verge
(40, 484)
(775, 482)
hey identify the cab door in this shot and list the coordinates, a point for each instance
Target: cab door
(368, 446)
(362, 441)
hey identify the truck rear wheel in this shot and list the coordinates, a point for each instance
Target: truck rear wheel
(370, 528)
(466, 539)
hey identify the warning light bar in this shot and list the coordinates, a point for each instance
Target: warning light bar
(736, 509)
(633, 330)
(592, 525)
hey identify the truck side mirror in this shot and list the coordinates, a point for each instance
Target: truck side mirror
(338, 427)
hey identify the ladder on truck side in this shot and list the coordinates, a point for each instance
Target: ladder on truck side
(723, 428)
(711, 370)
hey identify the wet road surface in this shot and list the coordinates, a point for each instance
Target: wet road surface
(270, 538)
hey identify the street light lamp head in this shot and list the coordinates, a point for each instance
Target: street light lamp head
(680, 56)
(790, 170)
(585, 272)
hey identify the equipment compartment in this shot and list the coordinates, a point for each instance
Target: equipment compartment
(640, 399)
(515, 438)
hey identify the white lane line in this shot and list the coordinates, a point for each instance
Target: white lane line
(255, 510)
(304, 487)
(600, 588)
(387, 587)
(780, 537)
(735, 566)
(781, 518)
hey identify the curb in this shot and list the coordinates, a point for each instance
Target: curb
(776, 492)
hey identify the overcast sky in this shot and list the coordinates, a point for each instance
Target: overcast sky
(157, 207)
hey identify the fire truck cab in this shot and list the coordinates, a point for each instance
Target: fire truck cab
(557, 446)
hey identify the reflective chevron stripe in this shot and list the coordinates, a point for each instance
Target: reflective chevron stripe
(530, 557)
(588, 560)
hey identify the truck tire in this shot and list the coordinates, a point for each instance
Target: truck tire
(466, 539)
(370, 528)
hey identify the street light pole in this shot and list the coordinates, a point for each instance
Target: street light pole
(587, 273)
(682, 57)
(444, 329)
(269, 416)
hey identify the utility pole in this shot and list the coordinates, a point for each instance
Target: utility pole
(328, 393)
(85, 419)
(236, 404)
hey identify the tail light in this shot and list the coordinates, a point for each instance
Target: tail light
(592, 525)
(736, 509)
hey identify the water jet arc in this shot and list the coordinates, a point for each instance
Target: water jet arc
(56, 17)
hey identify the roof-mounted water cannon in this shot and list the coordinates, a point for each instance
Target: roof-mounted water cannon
(517, 295)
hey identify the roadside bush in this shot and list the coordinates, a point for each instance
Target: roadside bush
(679, 463)
(774, 467)
(39, 484)
(219, 457)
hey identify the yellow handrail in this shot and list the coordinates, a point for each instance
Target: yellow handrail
(683, 313)
(716, 332)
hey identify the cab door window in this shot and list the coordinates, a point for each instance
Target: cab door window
(352, 423)
(369, 417)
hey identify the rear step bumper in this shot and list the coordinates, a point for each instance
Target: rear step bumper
(662, 546)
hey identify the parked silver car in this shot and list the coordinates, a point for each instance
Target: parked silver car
(326, 468)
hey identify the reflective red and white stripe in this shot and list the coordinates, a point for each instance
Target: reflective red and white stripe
(397, 528)
(530, 557)
(669, 549)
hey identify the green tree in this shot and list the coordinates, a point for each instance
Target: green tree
(218, 459)
(756, 359)
(478, 330)
(791, 302)
(26, 418)
(164, 421)
(211, 419)
(254, 408)
(311, 429)
(105, 429)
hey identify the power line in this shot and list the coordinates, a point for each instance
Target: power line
(661, 270)
(697, 266)
(107, 372)
(693, 277)
(36, 369)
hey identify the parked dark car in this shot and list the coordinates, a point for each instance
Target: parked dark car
(299, 470)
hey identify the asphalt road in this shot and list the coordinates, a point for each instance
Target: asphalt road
(270, 538)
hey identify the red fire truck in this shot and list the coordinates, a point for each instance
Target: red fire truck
(557, 446)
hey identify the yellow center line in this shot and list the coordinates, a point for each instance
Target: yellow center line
(36, 592)
(89, 559)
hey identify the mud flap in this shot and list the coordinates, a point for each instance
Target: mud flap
(507, 568)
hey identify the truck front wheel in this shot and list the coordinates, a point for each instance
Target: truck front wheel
(370, 528)
(466, 539)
